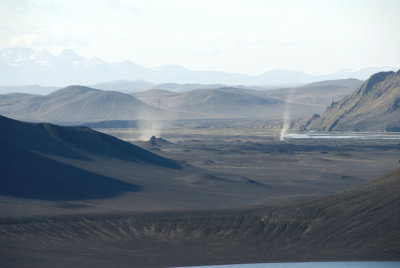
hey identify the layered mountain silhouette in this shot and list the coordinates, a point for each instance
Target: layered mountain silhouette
(374, 106)
(246, 102)
(223, 102)
(124, 86)
(31, 168)
(141, 85)
(220, 100)
(77, 104)
(28, 89)
(24, 66)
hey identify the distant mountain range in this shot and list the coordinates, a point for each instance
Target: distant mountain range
(28, 89)
(121, 86)
(24, 66)
(374, 106)
(245, 102)
(77, 104)
(141, 85)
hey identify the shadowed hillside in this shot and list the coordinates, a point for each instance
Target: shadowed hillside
(29, 170)
(74, 142)
(29, 175)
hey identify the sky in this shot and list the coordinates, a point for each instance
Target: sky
(243, 36)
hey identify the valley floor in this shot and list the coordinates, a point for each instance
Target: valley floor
(234, 201)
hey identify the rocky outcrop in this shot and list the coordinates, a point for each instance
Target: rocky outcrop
(372, 107)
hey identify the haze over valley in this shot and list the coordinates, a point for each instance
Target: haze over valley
(185, 133)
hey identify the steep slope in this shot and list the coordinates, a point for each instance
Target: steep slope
(77, 104)
(375, 106)
(30, 168)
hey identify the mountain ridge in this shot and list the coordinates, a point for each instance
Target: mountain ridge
(374, 106)
(77, 104)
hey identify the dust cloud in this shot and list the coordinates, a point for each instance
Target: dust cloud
(286, 114)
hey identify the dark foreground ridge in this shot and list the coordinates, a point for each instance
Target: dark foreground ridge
(358, 224)
(30, 166)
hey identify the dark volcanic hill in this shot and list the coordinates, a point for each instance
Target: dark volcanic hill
(374, 106)
(30, 165)
(76, 104)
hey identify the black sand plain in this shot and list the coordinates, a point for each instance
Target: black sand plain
(231, 196)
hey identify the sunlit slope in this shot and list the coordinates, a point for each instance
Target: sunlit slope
(375, 106)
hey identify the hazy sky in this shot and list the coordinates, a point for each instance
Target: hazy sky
(246, 36)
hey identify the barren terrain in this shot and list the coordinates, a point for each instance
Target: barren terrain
(233, 195)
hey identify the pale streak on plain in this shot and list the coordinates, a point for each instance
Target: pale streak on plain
(286, 115)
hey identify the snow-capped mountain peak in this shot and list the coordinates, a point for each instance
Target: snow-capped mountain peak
(22, 66)
(43, 57)
(16, 55)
